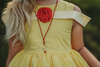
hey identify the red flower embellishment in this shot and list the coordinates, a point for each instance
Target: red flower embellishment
(44, 14)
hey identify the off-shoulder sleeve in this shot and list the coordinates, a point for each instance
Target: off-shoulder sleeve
(77, 16)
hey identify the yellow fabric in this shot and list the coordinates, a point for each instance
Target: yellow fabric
(79, 17)
(58, 44)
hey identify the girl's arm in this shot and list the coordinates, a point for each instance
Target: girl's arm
(78, 44)
(13, 51)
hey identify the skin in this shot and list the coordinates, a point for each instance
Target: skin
(78, 43)
(76, 40)
(46, 2)
(13, 51)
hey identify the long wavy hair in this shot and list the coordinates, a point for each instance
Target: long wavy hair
(15, 15)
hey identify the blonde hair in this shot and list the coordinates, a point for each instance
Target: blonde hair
(17, 13)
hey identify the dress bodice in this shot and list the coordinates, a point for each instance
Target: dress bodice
(57, 41)
(58, 38)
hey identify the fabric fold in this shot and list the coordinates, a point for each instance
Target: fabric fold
(64, 59)
(77, 16)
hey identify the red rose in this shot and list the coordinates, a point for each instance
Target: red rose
(44, 14)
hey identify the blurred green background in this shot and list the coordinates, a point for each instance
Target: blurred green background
(91, 32)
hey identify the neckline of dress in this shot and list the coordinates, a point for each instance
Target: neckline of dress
(48, 5)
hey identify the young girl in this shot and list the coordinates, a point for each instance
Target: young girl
(46, 33)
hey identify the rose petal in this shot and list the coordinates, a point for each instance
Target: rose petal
(44, 14)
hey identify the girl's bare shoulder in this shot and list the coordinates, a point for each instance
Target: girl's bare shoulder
(76, 8)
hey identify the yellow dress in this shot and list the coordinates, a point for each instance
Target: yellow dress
(57, 41)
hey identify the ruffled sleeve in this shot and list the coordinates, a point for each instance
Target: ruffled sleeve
(77, 16)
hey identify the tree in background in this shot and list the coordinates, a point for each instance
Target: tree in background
(91, 32)
(3, 43)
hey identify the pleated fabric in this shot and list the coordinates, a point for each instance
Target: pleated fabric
(57, 41)
(63, 59)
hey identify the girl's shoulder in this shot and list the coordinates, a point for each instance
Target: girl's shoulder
(70, 10)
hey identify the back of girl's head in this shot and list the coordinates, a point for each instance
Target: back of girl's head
(17, 13)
